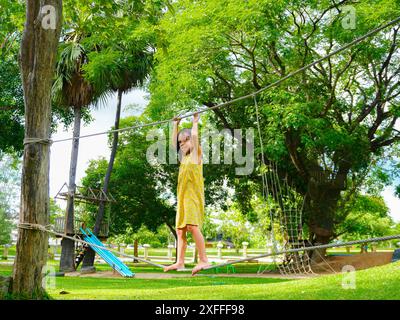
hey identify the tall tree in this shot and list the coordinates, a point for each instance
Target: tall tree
(123, 62)
(73, 90)
(12, 15)
(38, 56)
(323, 127)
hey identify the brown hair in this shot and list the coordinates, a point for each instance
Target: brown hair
(189, 132)
(185, 130)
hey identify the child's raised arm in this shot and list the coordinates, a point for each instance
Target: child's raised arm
(195, 139)
(175, 133)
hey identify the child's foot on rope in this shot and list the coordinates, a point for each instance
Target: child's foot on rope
(174, 266)
(200, 266)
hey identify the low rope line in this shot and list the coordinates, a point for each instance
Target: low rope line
(227, 103)
(32, 226)
(324, 246)
(45, 141)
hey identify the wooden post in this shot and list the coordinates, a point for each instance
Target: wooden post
(146, 251)
(5, 252)
(245, 244)
(219, 249)
(170, 247)
(136, 250)
(122, 248)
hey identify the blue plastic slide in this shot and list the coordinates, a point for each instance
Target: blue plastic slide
(107, 256)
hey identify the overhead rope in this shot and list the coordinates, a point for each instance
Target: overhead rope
(227, 103)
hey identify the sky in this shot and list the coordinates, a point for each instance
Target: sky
(95, 147)
(89, 148)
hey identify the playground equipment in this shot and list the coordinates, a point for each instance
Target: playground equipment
(106, 255)
(84, 195)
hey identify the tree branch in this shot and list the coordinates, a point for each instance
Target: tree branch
(375, 145)
(220, 115)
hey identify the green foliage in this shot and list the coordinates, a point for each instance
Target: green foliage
(11, 95)
(368, 217)
(210, 228)
(395, 231)
(10, 166)
(317, 121)
(55, 211)
(10, 177)
(11, 107)
(136, 185)
(114, 54)
(381, 175)
(235, 227)
(5, 227)
(12, 17)
(157, 239)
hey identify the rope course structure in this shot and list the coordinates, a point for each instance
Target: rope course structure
(280, 200)
(38, 227)
(285, 205)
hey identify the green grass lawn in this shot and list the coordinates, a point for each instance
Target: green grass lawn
(163, 252)
(375, 283)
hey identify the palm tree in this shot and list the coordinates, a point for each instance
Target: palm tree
(129, 70)
(114, 63)
(72, 90)
(122, 63)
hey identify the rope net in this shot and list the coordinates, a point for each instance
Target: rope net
(285, 208)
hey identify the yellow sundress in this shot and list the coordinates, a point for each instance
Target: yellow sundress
(190, 192)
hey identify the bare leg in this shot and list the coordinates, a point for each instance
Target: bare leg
(182, 244)
(201, 247)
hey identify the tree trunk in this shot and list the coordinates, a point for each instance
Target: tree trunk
(88, 261)
(37, 61)
(67, 260)
(321, 209)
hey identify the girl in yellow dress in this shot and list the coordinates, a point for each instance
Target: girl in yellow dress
(190, 194)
